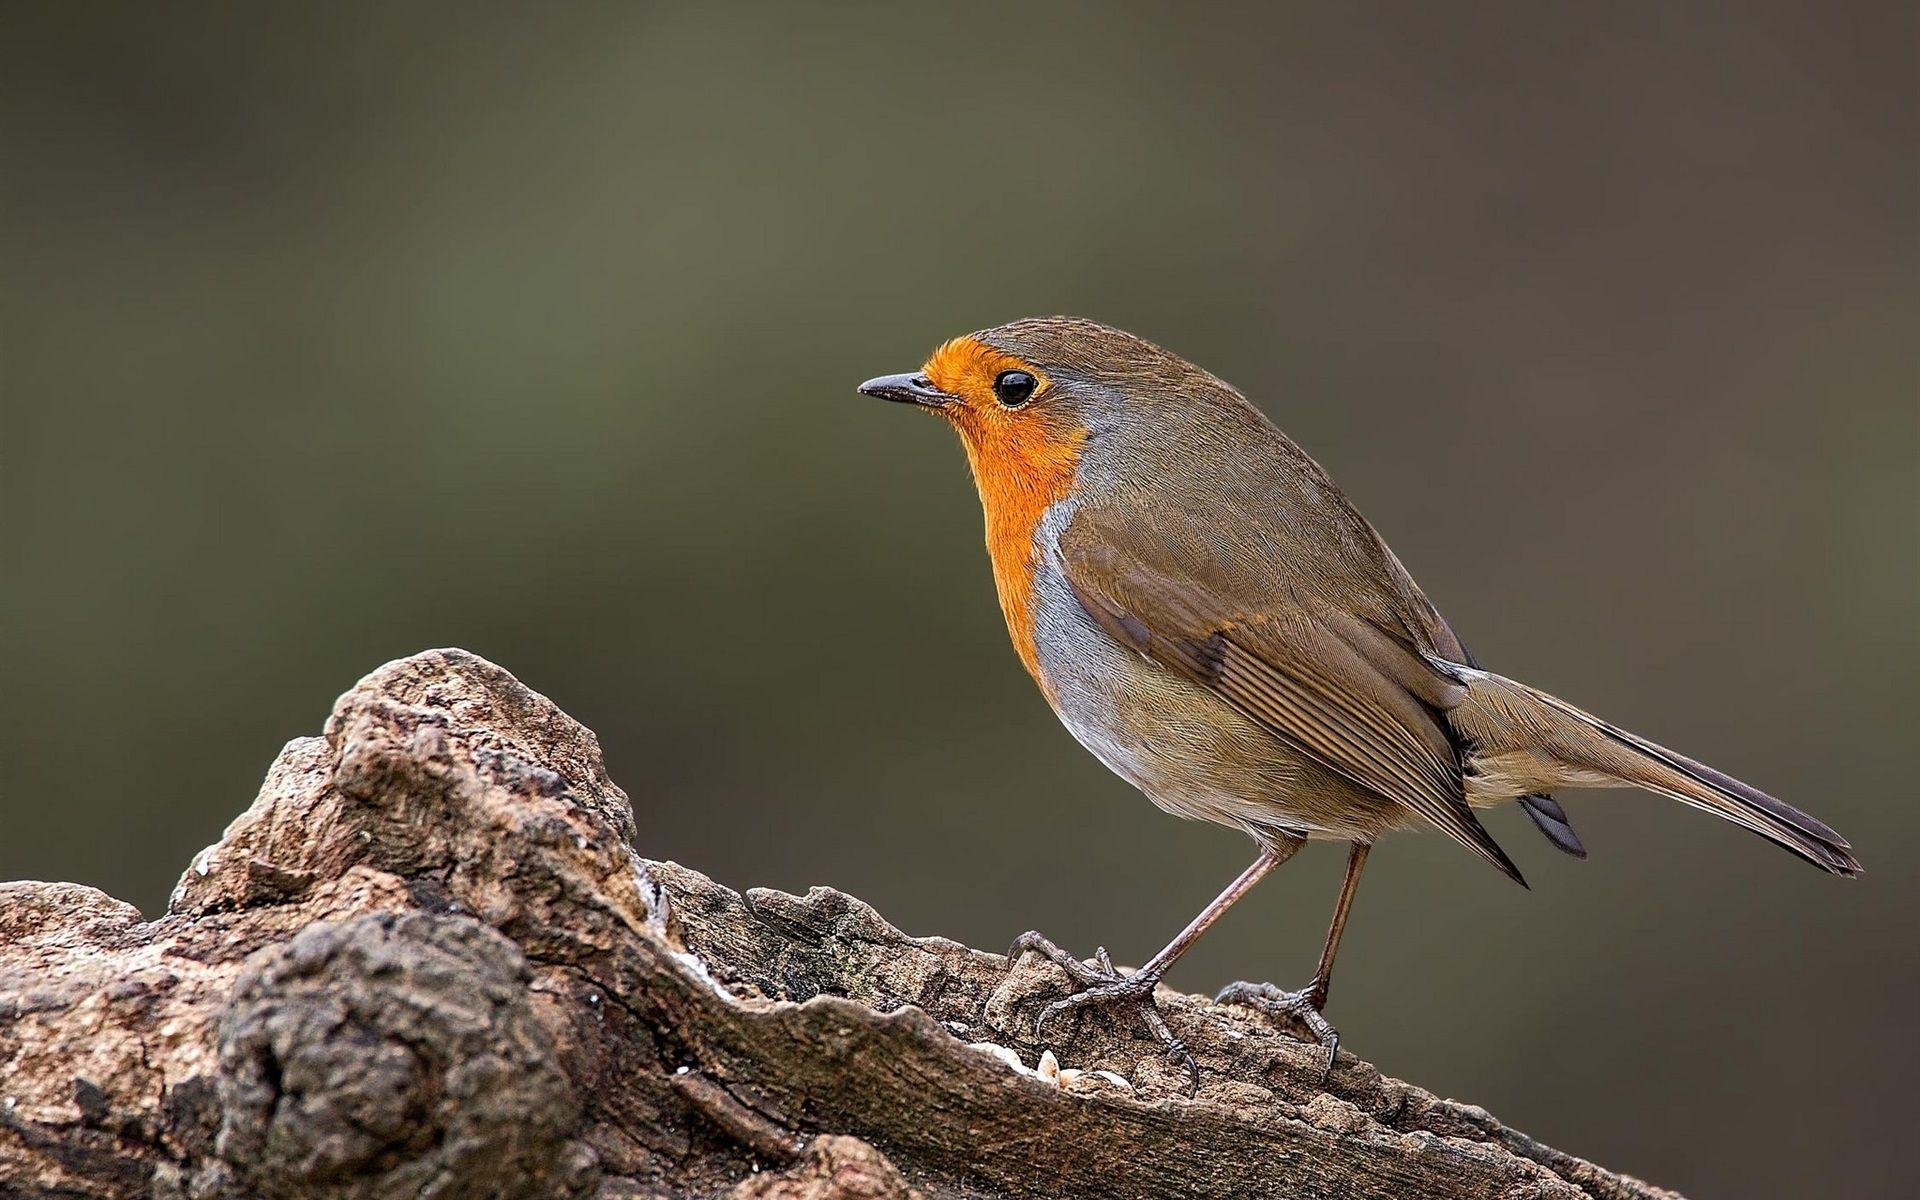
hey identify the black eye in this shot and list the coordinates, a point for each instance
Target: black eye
(1013, 388)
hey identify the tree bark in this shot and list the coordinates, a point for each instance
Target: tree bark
(427, 963)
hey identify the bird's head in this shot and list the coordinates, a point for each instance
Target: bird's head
(1045, 407)
(1028, 397)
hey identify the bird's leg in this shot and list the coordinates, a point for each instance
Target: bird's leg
(1307, 1004)
(1100, 983)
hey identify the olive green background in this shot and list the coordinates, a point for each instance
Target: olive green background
(331, 335)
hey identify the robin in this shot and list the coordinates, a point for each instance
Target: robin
(1208, 615)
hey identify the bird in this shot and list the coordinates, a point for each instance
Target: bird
(1212, 619)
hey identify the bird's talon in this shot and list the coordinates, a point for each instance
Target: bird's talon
(1178, 1052)
(1103, 983)
(1243, 992)
(1050, 1012)
(1303, 1006)
(1030, 940)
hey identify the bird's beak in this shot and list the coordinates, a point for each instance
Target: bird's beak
(907, 389)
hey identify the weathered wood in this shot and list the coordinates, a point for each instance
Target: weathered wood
(426, 962)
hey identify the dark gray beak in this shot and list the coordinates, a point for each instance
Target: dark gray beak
(907, 389)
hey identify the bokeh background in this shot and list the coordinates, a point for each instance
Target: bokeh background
(333, 334)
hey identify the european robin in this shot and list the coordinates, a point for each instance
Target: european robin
(1213, 620)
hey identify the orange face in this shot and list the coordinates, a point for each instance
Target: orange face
(1024, 456)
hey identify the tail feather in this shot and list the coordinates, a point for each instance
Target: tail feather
(1696, 784)
(1569, 745)
(1552, 820)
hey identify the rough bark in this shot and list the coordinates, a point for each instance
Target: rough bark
(426, 962)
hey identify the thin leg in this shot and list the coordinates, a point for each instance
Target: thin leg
(1270, 857)
(1308, 1003)
(1102, 984)
(1323, 977)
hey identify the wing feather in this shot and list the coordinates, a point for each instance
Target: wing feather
(1345, 693)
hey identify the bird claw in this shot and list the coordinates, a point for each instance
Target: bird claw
(1303, 1006)
(1116, 989)
(1102, 983)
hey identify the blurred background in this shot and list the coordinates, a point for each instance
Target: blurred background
(334, 335)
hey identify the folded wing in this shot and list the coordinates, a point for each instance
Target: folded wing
(1352, 696)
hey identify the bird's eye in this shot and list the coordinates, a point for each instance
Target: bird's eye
(1013, 388)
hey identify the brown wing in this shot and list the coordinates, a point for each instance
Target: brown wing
(1355, 698)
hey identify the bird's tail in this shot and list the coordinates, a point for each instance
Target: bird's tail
(1524, 741)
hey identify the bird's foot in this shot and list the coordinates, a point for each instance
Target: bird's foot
(1303, 1006)
(1103, 984)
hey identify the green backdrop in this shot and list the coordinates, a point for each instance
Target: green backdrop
(330, 335)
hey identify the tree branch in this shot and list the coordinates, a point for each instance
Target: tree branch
(426, 962)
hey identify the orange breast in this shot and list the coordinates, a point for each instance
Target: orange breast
(1024, 460)
(1021, 473)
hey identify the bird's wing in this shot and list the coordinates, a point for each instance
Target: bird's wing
(1355, 697)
